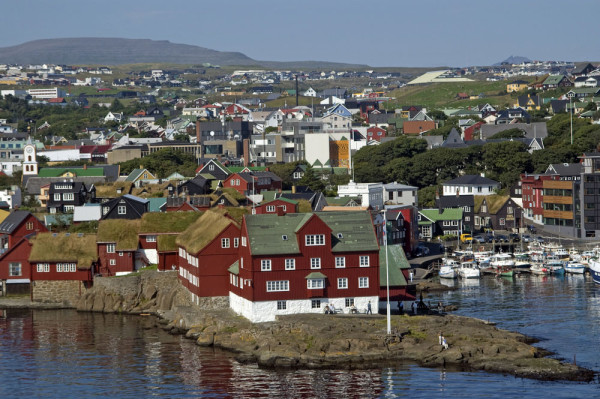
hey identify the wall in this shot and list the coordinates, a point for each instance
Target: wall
(62, 291)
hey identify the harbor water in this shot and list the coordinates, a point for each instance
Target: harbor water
(68, 354)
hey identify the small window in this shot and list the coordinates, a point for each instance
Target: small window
(14, 269)
(236, 242)
(122, 210)
(315, 263)
(340, 261)
(281, 305)
(364, 261)
(224, 242)
(110, 248)
(150, 238)
(340, 236)
(113, 262)
(265, 265)
(29, 225)
(290, 264)
(270, 208)
(349, 302)
(315, 304)
(284, 237)
(342, 283)
(363, 282)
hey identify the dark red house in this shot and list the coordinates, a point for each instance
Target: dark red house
(207, 248)
(247, 183)
(117, 245)
(16, 226)
(376, 133)
(277, 206)
(302, 262)
(15, 269)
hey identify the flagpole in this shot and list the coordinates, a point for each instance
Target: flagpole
(387, 273)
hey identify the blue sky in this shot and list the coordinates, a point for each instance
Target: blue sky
(378, 33)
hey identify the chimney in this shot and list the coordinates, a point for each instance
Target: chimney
(293, 189)
(457, 193)
(141, 166)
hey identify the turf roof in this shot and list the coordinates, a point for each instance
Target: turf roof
(122, 232)
(171, 222)
(64, 247)
(494, 202)
(205, 229)
(167, 242)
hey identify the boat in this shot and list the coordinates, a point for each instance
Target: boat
(448, 269)
(554, 265)
(575, 268)
(539, 269)
(522, 261)
(469, 270)
(505, 271)
(502, 260)
(594, 267)
(561, 253)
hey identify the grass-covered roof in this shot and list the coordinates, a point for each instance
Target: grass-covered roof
(203, 231)
(122, 232)
(109, 190)
(167, 242)
(171, 222)
(64, 247)
(494, 202)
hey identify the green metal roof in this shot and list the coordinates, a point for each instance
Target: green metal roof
(156, 203)
(314, 275)
(57, 172)
(268, 195)
(396, 261)
(447, 214)
(238, 169)
(352, 231)
(553, 79)
(235, 268)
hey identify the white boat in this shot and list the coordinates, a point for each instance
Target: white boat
(502, 260)
(554, 265)
(594, 267)
(539, 269)
(561, 253)
(575, 268)
(469, 270)
(448, 268)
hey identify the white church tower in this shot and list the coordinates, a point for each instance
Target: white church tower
(30, 165)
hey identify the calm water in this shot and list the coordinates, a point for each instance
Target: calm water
(68, 354)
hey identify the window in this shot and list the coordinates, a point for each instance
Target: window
(509, 210)
(68, 196)
(270, 208)
(110, 248)
(315, 263)
(113, 262)
(120, 253)
(275, 286)
(315, 283)
(290, 264)
(29, 225)
(105, 210)
(243, 241)
(502, 222)
(122, 210)
(315, 304)
(349, 302)
(150, 238)
(364, 261)
(224, 242)
(314, 239)
(43, 267)
(236, 242)
(340, 261)
(342, 283)
(14, 269)
(265, 265)
(56, 197)
(363, 282)
(281, 305)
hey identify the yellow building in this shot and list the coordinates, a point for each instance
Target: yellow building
(517, 85)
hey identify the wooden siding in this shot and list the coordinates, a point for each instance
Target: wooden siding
(558, 184)
(552, 199)
(123, 263)
(53, 275)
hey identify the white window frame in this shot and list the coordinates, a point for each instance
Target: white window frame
(342, 283)
(265, 265)
(311, 240)
(315, 304)
(236, 242)
(278, 285)
(225, 243)
(290, 264)
(56, 196)
(68, 197)
(113, 262)
(340, 261)
(315, 263)
(110, 248)
(122, 210)
(363, 282)
(364, 261)
(151, 238)
(270, 208)
(315, 283)
(281, 305)
(243, 241)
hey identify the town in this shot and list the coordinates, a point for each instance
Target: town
(283, 191)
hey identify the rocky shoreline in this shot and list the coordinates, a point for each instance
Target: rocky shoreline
(329, 341)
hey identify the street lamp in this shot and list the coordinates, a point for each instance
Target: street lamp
(570, 95)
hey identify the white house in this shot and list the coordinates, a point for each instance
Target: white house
(113, 117)
(400, 194)
(370, 193)
(310, 93)
(12, 196)
(470, 185)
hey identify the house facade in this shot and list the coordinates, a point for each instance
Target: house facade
(65, 196)
(117, 245)
(125, 207)
(16, 226)
(470, 185)
(299, 263)
(497, 212)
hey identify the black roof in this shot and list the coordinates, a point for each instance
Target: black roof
(453, 201)
(13, 221)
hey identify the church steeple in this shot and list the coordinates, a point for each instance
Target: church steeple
(30, 165)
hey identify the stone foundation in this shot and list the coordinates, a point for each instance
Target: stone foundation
(67, 292)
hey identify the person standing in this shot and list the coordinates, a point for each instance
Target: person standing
(440, 337)
(400, 307)
(369, 311)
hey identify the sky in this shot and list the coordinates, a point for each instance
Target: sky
(382, 33)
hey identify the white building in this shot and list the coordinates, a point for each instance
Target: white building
(46, 94)
(470, 185)
(371, 194)
(61, 155)
(400, 194)
(12, 196)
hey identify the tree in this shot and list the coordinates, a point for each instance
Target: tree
(311, 180)
(508, 134)
(117, 106)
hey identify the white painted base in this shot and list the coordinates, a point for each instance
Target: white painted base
(263, 311)
(151, 255)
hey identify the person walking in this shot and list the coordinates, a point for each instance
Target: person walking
(400, 307)
(369, 311)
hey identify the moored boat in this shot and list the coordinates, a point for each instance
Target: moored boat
(594, 267)
(575, 268)
(448, 269)
(539, 269)
(469, 270)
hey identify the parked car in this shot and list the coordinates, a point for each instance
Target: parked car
(526, 238)
(540, 239)
(421, 250)
(480, 239)
(514, 237)
(501, 238)
(466, 238)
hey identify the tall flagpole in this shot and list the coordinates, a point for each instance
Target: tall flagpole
(387, 273)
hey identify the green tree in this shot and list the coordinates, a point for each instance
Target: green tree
(311, 180)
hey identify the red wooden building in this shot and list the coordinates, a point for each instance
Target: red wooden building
(16, 226)
(278, 206)
(533, 195)
(117, 245)
(300, 263)
(15, 269)
(248, 183)
(206, 250)
(376, 133)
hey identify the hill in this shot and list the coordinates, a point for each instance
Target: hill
(513, 59)
(118, 51)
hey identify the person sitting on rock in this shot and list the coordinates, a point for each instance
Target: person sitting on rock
(444, 343)
(327, 311)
